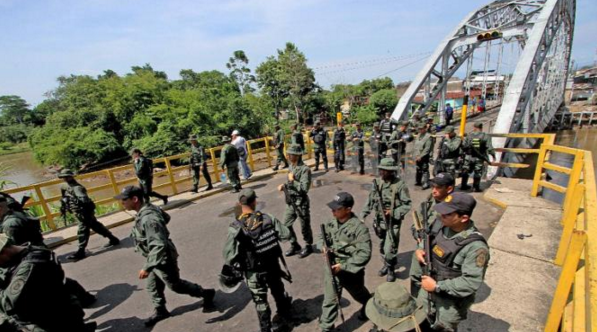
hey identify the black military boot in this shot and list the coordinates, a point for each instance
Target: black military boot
(425, 180)
(295, 248)
(383, 271)
(114, 241)
(78, 255)
(159, 314)
(285, 165)
(418, 177)
(464, 182)
(195, 190)
(362, 314)
(477, 184)
(208, 299)
(308, 250)
(265, 323)
(165, 199)
(209, 187)
(391, 277)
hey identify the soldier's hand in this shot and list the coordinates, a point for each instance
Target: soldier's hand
(387, 212)
(420, 254)
(428, 283)
(143, 274)
(336, 268)
(281, 187)
(290, 177)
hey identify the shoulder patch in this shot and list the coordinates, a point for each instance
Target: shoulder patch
(481, 257)
(17, 286)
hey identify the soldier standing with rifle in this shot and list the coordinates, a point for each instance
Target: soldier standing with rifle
(144, 171)
(386, 126)
(320, 138)
(422, 153)
(296, 195)
(253, 247)
(449, 153)
(279, 145)
(398, 141)
(297, 137)
(229, 159)
(478, 148)
(75, 200)
(339, 146)
(198, 162)
(379, 143)
(390, 200)
(152, 240)
(454, 257)
(358, 141)
(346, 246)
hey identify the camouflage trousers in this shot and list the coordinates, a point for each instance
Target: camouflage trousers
(321, 152)
(281, 158)
(473, 165)
(290, 216)
(390, 240)
(447, 311)
(233, 175)
(354, 283)
(259, 283)
(87, 223)
(195, 170)
(168, 275)
(450, 166)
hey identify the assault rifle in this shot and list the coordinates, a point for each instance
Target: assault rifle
(386, 218)
(428, 267)
(290, 201)
(328, 254)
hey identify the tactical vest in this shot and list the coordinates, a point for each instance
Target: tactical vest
(339, 136)
(232, 154)
(319, 136)
(260, 244)
(445, 153)
(196, 156)
(139, 236)
(74, 204)
(360, 144)
(445, 250)
(478, 143)
(386, 127)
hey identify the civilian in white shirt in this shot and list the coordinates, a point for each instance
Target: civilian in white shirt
(240, 143)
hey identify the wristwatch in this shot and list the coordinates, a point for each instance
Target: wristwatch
(436, 290)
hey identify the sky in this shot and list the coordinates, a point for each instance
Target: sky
(345, 41)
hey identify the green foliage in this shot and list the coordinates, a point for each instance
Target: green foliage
(366, 115)
(13, 109)
(384, 101)
(4, 169)
(240, 73)
(14, 134)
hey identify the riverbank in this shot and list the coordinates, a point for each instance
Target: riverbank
(19, 148)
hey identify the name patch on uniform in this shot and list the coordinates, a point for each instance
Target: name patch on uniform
(481, 257)
(438, 251)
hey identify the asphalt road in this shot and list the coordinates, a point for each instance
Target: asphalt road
(199, 230)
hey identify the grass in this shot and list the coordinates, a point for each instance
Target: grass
(18, 148)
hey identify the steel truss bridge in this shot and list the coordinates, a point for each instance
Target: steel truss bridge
(542, 31)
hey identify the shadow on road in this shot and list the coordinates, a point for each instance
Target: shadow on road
(404, 260)
(125, 243)
(306, 311)
(123, 325)
(230, 304)
(110, 297)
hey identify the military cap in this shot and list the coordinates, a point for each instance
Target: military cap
(342, 199)
(4, 241)
(388, 164)
(294, 149)
(129, 192)
(192, 138)
(449, 129)
(457, 202)
(443, 179)
(225, 139)
(65, 173)
(246, 196)
(392, 308)
(478, 124)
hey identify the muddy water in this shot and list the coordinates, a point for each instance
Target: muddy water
(23, 169)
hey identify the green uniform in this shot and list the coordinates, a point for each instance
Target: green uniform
(449, 153)
(415, 267)
(256, 251)
(459, 274)
(22, 228)
(33, 294)
(478, 148)
(144, 171)
(299, 194)
(422, 153)
(351, 245)
(279, 145)
(229, 160)
(297, 138)
(396, 198)
(76, 201)
(397, 144)
(320, 139)
(152, 240)
(198, 163)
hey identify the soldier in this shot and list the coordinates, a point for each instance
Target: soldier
(478, 148)
(398, 141)
(348, 245)
(76, 201)
(320, 140)
(144, 171)
(229, 162)
(279, 145)
(459, 257)
(449, 152)
(380, 142)
(339, 146)
(33, 295)
(441, 186)
(198, 162)
(297, 137)
(152, 240)
(253, 247)
(422, 153)
(358, 141)
(296, 194)
(392, 309)
(396, 202)
(414, 123)
(23, 229)
(387, 127)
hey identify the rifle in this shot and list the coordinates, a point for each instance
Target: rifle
(329, 259)
(386, 218)
(428, 267)
(291, 202)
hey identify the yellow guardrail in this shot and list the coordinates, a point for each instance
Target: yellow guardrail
(170, 177)
(574, 305)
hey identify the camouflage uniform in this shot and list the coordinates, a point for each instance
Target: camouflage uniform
(339, 147)
(320, 140)
(358, 141)
(279, 145)
(449, 153)
(229, 160)
(380, 144)
(422, 152)
(144, 171)
(478, 148)
(199, 163)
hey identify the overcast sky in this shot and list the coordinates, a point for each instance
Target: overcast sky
(345, 41)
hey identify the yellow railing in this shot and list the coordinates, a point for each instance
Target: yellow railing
(170, 178)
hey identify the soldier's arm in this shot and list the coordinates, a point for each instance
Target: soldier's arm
(473, 271)
(231, 251)
(404, 202)
(426, 148)
(360, 251)
(222, 162)
(81, 194)
(490, 149)
(368, 205)
(14, 231)
(281, 229)
(18, 290)
(302, 186)
(454, 145)
(157, 243)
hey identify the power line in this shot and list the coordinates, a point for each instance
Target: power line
(367, 64)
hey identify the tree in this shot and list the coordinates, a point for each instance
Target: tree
(14, 109)
(240, 73)
(296, 77)
(384, 101)
(270, 82)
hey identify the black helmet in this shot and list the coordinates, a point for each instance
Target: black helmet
(230, 279)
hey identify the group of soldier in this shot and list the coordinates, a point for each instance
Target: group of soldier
(448, 264)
